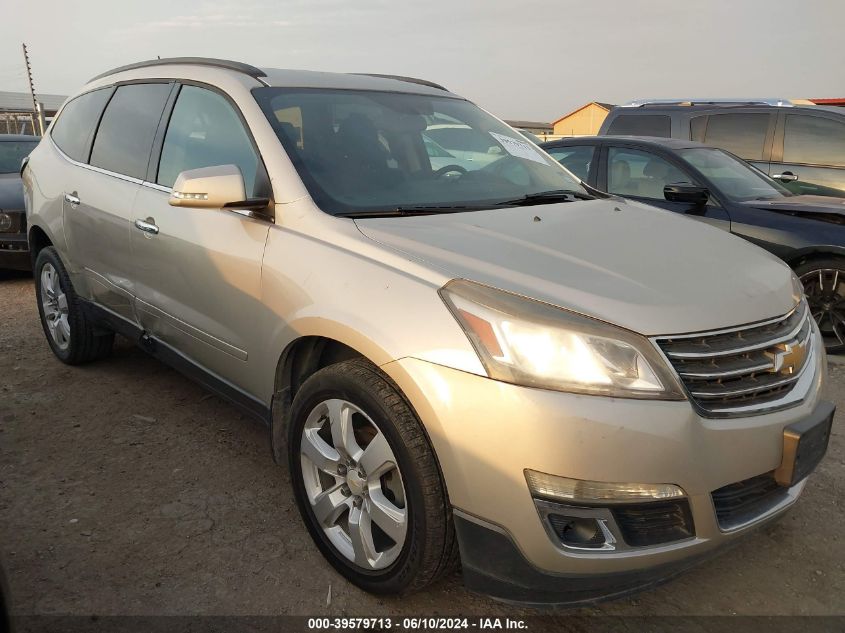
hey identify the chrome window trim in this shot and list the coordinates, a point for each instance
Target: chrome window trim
(94, 168)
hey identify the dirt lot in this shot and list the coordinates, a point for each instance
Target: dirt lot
(127, 489)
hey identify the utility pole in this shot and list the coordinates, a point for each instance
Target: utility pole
(38, 115)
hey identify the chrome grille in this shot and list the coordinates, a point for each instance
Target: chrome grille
(750, 368)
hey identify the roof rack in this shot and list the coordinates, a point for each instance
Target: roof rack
(252, 71)
(410, 80)
(639, 103)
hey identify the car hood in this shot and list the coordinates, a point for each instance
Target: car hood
(817, 207)
(641, 268)
(11, 192)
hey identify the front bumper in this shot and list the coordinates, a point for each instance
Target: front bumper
(14, 252)
(486, 433)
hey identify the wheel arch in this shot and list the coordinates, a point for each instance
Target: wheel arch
(302, 357)
(38, 240)
(804, 255)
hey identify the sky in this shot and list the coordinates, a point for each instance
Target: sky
(520, 59)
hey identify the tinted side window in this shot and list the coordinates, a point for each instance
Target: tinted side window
(73, 130)
(814, 140)
(742, 134)
(641, 125)
(632, 172)
(125, 135)
(576, 159)
(205, 131)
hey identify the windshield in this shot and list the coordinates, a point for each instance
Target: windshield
(736, 179)
(359, 151)
(12, 153)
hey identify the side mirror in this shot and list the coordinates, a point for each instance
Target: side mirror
(218, 187)
(686, 192)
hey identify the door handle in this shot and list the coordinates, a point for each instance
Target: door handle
(147, 226)
(72, 199)
(786, 176)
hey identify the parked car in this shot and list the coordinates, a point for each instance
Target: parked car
(13, 248)
(567, 391)
(801, 146)
(529, 135)
(712, 185)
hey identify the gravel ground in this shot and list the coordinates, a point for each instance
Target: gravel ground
(127, 489)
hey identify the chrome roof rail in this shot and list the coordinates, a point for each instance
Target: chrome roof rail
(638, 103)
(246, 69)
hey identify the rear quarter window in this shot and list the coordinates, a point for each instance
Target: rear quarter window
(641, 125)
(74, 128)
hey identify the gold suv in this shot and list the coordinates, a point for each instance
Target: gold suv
(460, 350)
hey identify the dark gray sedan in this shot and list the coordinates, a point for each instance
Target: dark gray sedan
(14, 252)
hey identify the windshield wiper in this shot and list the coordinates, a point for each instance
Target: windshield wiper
(407, 211)
(545, 197)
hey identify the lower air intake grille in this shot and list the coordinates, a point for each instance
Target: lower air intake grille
(655, 522)
(745, 501)
(747, 369)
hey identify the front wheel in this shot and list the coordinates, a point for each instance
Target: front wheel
(824, 285)
(367, 482)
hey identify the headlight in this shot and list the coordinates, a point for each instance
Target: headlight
(535, 344)
(5, 222)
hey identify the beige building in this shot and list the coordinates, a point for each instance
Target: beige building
(584, 121)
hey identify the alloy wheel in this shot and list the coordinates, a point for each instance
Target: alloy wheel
(825, 290)
(54, 304)
(354, 485)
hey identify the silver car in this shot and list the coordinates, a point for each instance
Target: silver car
(572, 394)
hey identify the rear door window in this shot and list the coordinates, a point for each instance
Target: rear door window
(125, 136)
(74, 128)
(641, 125)
(813, 140)
(576, 158)
(743, 134)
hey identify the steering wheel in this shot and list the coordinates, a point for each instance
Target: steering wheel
(449, 169)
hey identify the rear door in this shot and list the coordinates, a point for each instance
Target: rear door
(809, 153)
(641, 174)
(99, 197)
(198, 278)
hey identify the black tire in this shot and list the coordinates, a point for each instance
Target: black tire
(826, 295)
(430, 547)
(86, 342)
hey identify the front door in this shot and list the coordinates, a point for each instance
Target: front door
(809, 156)
(642, 175)
(198, 271)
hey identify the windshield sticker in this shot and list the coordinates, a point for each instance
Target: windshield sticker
(520, 149)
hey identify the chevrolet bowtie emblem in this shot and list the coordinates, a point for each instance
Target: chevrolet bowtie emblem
(787, 358)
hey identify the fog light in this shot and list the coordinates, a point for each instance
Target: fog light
(584, 532)
(577, 490)
(5, 222)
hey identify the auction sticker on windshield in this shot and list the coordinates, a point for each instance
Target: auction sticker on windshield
(520, 149)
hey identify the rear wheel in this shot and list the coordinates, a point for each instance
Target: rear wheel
(367, 482)
(71, 335)
(824, 285)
